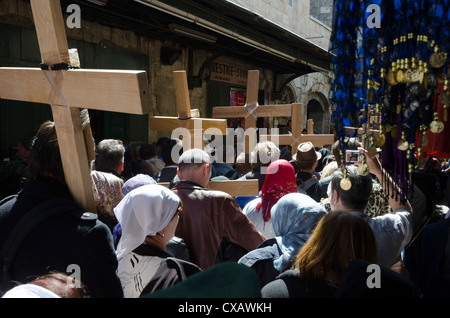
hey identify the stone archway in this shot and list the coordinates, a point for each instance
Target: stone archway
(317, 110)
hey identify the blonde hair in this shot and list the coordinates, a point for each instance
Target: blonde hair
(338, 237)
(329, 169)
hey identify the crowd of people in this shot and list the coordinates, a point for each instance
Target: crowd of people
(158, 231)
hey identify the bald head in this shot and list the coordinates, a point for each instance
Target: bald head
(195, 165)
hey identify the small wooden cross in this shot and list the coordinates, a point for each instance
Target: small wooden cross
(196, 126)
(251, 111)
(296, 137)
(69, 90)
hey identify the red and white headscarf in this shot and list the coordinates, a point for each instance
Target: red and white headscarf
(279, 181)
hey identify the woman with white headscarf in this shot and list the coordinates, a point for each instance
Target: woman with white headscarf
(148, 216)
(294, 217)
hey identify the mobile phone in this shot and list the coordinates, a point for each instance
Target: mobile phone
(352, 156)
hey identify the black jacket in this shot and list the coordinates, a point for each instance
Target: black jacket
(292, 284)
(61, 241)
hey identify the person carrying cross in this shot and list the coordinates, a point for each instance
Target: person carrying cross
(72, 238)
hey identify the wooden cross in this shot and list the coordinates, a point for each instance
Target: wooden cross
(196, 126)
(69, 90)
(296, 137)
(252, 111)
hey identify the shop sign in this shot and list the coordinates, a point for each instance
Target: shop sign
(224, 71)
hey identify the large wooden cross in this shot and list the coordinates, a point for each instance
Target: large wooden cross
(69, 90)
(252, 111)
(195, 126)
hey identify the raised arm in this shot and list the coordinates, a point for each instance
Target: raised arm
(376, 169)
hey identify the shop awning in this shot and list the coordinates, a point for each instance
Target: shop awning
(219, 26)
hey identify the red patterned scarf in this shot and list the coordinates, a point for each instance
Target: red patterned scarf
(279, 181)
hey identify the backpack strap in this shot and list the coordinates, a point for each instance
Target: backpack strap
(308, 183)
(29, 221)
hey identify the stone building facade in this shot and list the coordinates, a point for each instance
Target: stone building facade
(312, 20)
(108, 46)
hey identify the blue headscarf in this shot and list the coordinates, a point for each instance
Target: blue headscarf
(294, 217)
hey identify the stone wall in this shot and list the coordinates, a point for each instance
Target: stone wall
(162, 93)
(162, 96)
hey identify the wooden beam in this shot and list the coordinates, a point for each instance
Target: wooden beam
(50, 30)
(109, 90)
(235, 188)
(166, 123)
(182, 94)
(196, 126)
(75, 163)
(296, 137)
(317, 140)
(282, 110)
(296, 126)
(252, 97)
(67, 91)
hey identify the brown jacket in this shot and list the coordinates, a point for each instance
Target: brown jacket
(207, 217)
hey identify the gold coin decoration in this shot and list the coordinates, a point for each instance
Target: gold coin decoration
(372, 151)
(403, 145)
(391, 79)
(381, 139)
(387, 128)
(436, 126)
(394, 132)
(400, 76)
(345, 184)
(363, 169)
(414, 75)
(438, 59)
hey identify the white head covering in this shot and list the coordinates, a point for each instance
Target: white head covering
(29, 291)
(144, 211)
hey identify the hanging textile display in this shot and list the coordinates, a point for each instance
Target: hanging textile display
(390, 66)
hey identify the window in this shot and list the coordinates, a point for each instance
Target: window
(322, 10)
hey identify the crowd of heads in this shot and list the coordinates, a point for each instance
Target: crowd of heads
(311, 239)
